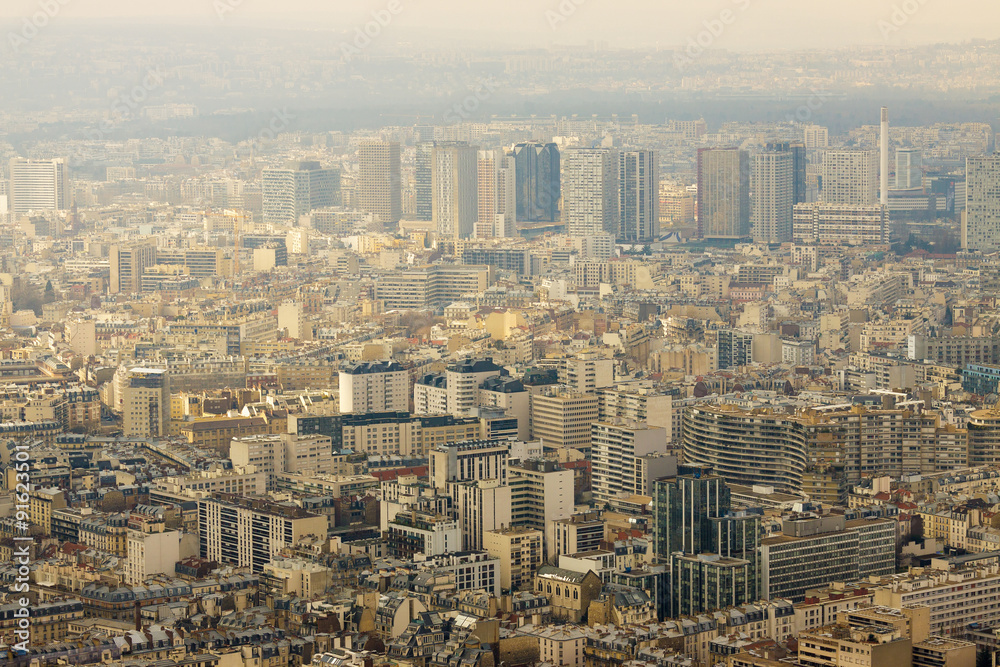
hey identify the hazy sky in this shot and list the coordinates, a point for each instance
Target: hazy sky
(754, 24)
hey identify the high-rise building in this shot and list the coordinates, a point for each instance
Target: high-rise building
(145, 403)
(981, 218)
(712, 551)
(249, 532)
(538, 182)
(723, 193)
(909, 169)
(497, 202)
(455, 189)
(541, 494)
(470, 461)
(562, 420)
(616, 451)
(851, 177)
(773, 183)
(424, 181)
(638, 196)
(815, 136)
(799, 160)
(381, 386)
(38, 185)
(128, 263)
(379, 188)
(590, 191)
(520, 553)
(296, 189)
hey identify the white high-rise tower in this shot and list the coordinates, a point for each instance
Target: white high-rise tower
(884, 168)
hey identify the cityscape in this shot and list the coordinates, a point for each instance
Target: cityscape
(543, 335)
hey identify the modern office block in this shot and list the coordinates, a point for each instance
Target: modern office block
(723, 194)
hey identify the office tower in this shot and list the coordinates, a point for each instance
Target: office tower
(773, 182)
(590, 191)
(423, 175)
(145, 403)
(816, 136)
(909, 169)
(38, 185)
(471, 461)
(128, 263)
(616, 453)
(723, 193)
(378, 386)
(562, 420)
(981, 218)
(884, 159)
(542, 493)
(297, 188)
(379, 186)
(639, 196)
(712, 552)
(478, 507)
(850, 177)
(250, 532)
(538, 182)
(799, 162)
(497, 203)
(455, 189)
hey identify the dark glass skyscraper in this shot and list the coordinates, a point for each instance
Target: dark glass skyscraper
(538, 184)
(424, 181)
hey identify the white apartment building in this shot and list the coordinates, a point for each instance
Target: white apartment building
(590, 191)
(38, 185)
(378, 386)
(616, 449)
(850, 177)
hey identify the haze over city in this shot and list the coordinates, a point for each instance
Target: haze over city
(542, 333)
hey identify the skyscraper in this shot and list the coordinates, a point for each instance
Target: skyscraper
(981, 219)
(799, 161)
(424, 180)
(379, 180)
(773, 181)
(146, 403)
(851, 177)
(297, 188)
(590, 194)
(639, 196)
(497, 202)
(909, 169)
(455, 189)
(39, 185)
(539, 187)
(723, 193)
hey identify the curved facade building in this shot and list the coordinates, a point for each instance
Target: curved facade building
(747, 447)
(984, 437)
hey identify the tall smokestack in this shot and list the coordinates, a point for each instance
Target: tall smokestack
(884, 165)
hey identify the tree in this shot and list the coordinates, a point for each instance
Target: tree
(983, 657)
